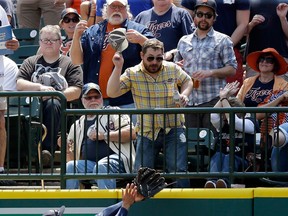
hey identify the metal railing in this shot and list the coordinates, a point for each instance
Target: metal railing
(23, 161)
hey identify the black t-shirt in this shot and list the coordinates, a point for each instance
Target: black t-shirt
(243, 141)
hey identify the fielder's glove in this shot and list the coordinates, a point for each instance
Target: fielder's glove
(149, 182)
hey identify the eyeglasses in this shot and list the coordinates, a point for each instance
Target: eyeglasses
(200, 14)
(268, 60)
(74, 19)
(119, 7)
(46, 41)
(152, 58)
(91, 97)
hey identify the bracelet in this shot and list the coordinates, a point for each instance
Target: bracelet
(223, 99)
(92, 16)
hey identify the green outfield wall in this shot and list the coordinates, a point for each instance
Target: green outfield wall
(208, 202)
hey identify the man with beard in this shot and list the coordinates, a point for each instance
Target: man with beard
(95, 53)
(208, 57)
(152, 83)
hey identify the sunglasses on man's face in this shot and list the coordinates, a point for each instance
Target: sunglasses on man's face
(200, 14)
(68, 20)
(267, 59)
(152, 58)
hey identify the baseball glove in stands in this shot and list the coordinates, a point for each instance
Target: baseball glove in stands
(149, 182)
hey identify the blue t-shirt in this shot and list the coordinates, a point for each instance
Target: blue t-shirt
(169, 27)
(136, 6)
(258, 92)
(226, 21)
(94, 150)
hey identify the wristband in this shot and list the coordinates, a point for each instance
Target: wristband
(223, 99)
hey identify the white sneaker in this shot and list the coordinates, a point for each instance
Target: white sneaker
(221, 184)
(210, 184)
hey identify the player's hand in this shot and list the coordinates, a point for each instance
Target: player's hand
(128, 195)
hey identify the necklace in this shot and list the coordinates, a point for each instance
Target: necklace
(264, 82)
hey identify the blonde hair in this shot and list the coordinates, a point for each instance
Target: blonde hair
(54, 29)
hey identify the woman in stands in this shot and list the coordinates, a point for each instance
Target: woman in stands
(68, 22)
(245, 129)
(256, 89)
(270, 66)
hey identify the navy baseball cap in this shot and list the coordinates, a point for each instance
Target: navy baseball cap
(89, 86)
(207, 3)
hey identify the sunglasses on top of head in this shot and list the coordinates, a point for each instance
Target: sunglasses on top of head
(68, 20)
(200, 14)
(152, 58)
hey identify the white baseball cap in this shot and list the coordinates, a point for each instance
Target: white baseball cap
(124, 2)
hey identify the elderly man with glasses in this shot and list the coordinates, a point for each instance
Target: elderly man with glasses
(50, 71)
(153, 83)
(102, 144)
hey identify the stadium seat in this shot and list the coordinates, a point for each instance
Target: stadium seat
(27, 36)
(200, 142)
(25, 133)
(23, 52)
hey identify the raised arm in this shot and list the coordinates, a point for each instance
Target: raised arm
(282, 10)
(113, 85)
(76, 52)
(242, 19)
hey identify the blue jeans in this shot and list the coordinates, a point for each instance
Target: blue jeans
(115, 166)
(279, 155)
(220, 162)
(175, 155)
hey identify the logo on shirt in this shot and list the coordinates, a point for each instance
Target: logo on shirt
(154, 27)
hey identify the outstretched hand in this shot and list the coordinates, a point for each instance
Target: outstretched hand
(129, 195)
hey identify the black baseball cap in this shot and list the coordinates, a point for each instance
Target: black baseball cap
(207, 3)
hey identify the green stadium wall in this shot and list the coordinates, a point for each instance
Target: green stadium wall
(208, 202)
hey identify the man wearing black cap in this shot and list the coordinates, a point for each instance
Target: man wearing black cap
(232, 19)
(208, 57)
(89, 138)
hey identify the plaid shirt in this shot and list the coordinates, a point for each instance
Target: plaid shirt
(212, 52)
(150, 93)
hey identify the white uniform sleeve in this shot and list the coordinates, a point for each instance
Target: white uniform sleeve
(249, 125)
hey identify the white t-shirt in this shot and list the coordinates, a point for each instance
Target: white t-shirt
(7, 67)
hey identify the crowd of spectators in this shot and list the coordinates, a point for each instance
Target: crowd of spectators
(156, 48)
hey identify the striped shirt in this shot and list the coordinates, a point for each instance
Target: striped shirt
(150, 93)
(212, 52)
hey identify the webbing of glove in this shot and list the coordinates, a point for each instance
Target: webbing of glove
(149, 182)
